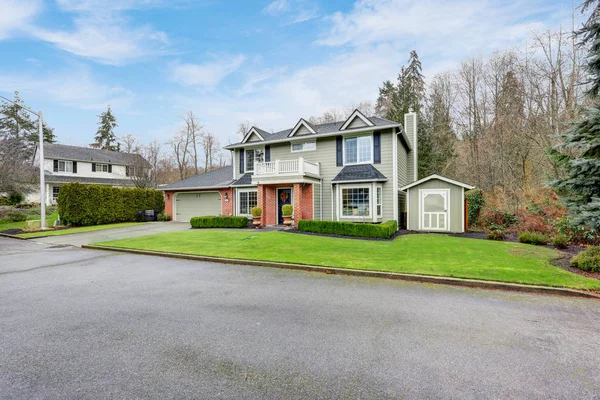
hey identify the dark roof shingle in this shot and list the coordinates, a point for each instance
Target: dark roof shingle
(75, 153)
(358, 173)
(50, 178)
(245, 180)
(217, 178)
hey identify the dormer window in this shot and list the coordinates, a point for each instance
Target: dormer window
(358, 150)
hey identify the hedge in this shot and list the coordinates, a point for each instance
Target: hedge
(383, 231)
(219, 222)
(84, 205)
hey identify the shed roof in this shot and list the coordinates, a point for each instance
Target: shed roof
(441, 178)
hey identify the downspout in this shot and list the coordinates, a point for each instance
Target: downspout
(321, 200)
(332, 217)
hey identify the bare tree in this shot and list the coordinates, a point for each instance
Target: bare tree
(130, 144)
(210, 144)
(243, 128)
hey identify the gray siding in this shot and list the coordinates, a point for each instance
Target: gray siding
(316, 201)
(254, 138)
(356, 123)
(456, 204)
(409, 127)
(303, 130)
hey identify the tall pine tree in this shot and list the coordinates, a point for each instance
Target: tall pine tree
(17, 123)
(105, 135)
(579, 149)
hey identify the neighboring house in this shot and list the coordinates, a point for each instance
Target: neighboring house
(65, 164)
(350, 170)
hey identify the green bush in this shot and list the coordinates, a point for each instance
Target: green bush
(162, 216)
(588, 260)
(256, 211)
(4, 201)
(476, 202)
(219, 222)
(383, 231)
(17, 216)
(287, 210)
(84, 205)
(560, 241)
(15, 198)
(533, 238)
(495, 234)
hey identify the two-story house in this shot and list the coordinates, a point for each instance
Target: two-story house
(64, 164)
(351, 170)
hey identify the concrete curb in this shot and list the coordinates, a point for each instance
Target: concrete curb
(12, 236)
(473, 283)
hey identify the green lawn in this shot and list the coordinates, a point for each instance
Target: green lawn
(77, 230)
(418, 254)
(21, 225)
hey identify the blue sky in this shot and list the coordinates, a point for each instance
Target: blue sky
(268, 62)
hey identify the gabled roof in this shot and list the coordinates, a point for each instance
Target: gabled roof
(88, 154)
(356, 114)
(359, 173)
(217, 178)
(441, 178)
(328, 129)
(257, 131)
(302, 122)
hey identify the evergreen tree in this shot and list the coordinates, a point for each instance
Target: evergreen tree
(579, 149)
(105, 136)
(17, 123)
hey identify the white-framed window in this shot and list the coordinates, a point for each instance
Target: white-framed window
(358, 150)
(254, 156)
(65, 166)
(55, 190)
(101, 167)
(247, 198)
(356, 201)
(304, 146)
(379, 204)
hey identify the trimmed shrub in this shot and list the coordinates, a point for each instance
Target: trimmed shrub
(85, 205)
(383, 231)
(15, 198)
(587, 260)
(560, 241)
(256, 211)
(17, 216)
(287, 210)
(219, 222)
(533, 238)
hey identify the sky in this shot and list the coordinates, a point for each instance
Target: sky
(267, 62)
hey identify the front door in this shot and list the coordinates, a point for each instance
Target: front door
(284, 196)
(434, 206)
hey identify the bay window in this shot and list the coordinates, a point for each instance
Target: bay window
(246, 200)
(355, 202)
(379, 201)
(358, 150)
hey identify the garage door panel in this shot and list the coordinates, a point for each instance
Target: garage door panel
(189, 205)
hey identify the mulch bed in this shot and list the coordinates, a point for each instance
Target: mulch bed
(19, 231)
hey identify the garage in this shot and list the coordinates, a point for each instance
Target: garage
(197, 204)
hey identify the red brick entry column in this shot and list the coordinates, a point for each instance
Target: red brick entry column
(262, 202)
(303, 202)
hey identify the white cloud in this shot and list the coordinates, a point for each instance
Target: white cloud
(292, 11)
(15, 15)
(74, 88)
(208, 74)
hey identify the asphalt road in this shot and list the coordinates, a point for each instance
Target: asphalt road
(88, 324)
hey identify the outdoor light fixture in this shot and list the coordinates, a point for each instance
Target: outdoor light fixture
(226, 197)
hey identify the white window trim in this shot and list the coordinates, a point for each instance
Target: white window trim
(65, 162)
(380, 214)
(302, 143)
(422, 193)
(99, 169)
(237, 201)
(246, 170)
(341, 202)
(344, 150)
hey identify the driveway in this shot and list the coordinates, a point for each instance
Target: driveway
(79, 239)
(78, 323)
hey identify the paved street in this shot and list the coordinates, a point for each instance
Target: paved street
(79, 323)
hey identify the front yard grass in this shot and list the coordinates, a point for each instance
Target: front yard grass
(80, 229)
(5, 225)
(427, 254)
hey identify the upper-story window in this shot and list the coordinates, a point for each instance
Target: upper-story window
(65, 166)
(254, 156)
(102, 168)
(306, 146)
(358, 150)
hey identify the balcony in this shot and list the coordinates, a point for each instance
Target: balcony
(281, 168)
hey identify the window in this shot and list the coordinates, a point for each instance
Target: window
(65, 166)
(359, 150)
(55, 192)
(355, 202)
(379, 198)
(254, 156)
(101, 167)
(306, 146)
(246, 200)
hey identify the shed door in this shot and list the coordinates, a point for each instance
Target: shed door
(434, 210)
(189, 205)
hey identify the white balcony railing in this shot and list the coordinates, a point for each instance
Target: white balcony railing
(287, 167)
